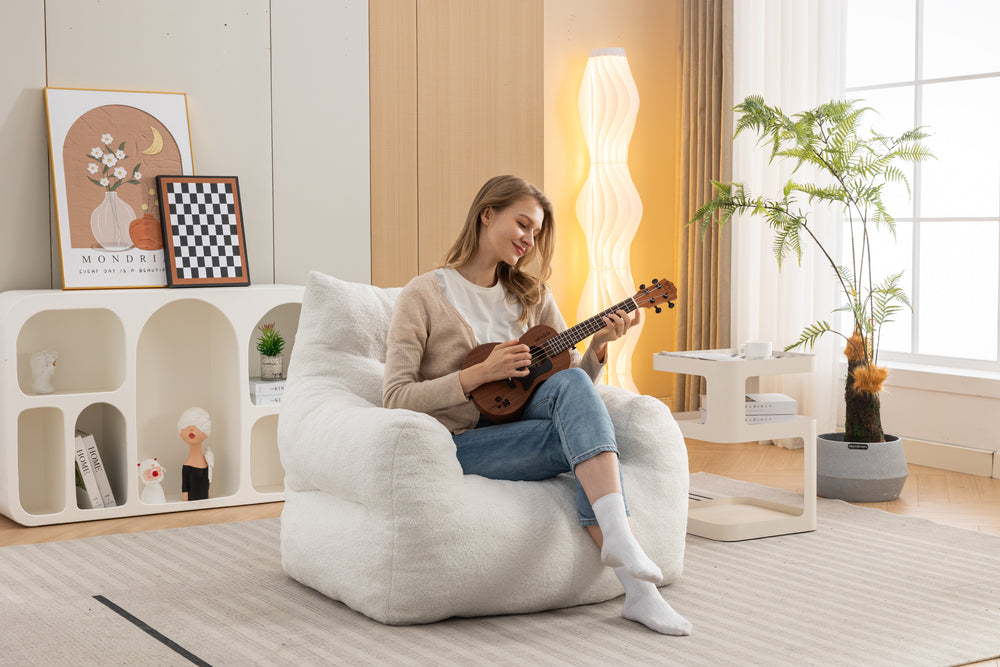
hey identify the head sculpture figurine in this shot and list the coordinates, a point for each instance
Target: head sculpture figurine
(194, 427)
(197, 417)
(151, 475)
(43, 367)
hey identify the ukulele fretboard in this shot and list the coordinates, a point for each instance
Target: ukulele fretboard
(567, 339)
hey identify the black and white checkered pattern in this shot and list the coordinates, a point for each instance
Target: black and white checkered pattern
(204, 229)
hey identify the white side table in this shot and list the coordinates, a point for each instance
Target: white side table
(743, 518)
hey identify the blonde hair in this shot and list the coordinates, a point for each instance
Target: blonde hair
(523, 286)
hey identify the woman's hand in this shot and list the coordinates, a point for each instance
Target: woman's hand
(617, 325)
(506, 360)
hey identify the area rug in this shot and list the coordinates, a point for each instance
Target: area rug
(866, 588)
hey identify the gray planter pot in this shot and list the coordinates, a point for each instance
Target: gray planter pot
(860, 472)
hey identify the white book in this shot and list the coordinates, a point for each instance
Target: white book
(261, 387)
(274, 399)
(769, 404)
(97, 465)
(768, 419)
(91, 498)
(755, 419)
(765, 404)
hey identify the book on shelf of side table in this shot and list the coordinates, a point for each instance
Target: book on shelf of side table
(743, 518)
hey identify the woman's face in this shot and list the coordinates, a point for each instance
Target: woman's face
(192, 434)
(509, 233)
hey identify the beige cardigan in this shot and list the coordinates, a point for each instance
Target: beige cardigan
(428, 341)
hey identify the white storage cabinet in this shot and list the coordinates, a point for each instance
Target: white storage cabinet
(130, 361)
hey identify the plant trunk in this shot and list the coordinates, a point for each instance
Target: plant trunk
(863, 419)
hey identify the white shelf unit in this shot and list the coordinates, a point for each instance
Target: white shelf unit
(130, 361)
(744, 518)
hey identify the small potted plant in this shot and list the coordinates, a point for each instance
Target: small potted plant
(270, 344)
(853, 167)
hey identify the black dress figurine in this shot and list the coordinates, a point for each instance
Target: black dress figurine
(196, 475)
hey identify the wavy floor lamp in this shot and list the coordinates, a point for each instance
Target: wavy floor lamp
(609, 208)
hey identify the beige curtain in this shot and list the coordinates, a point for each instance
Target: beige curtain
(706, 127)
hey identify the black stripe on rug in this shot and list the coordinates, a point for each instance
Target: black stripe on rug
(151, 631)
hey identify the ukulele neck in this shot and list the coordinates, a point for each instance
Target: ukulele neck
(569, 338)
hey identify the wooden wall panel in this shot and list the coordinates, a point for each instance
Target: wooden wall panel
(393, 75)
(456, 90)
(479, 107)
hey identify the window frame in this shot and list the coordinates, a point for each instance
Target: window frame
(912, 360)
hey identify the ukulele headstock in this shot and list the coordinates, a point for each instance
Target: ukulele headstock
(655, 294)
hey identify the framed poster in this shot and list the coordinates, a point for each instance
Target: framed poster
(106, 148)
(203, 237)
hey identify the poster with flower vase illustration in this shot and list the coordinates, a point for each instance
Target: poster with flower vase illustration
(106, 149)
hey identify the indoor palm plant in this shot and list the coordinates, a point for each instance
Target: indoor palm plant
(853, 168)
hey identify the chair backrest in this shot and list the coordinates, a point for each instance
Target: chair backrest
(342, 334)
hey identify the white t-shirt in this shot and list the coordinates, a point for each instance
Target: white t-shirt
(491, 315)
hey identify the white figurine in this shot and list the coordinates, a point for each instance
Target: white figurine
(151, 472)
(43, 367)
(195, 426)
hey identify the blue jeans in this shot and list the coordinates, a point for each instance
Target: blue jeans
(564, 424)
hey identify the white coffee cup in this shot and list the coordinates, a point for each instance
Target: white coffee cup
(756, 349)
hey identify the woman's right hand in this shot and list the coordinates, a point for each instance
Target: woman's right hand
(506, 360)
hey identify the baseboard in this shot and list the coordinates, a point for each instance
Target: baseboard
(971, 461)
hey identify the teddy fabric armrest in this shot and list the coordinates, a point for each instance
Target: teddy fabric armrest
(336, 442)
(646, 431)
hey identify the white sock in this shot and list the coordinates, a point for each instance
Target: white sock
(644, 604)
(620, 547)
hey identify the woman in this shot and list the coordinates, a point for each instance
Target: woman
(483, 294)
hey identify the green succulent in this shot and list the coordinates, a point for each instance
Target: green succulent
(270, 343)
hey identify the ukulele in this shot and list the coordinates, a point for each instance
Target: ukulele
(502, 401)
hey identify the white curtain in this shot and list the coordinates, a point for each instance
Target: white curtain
(790, 52)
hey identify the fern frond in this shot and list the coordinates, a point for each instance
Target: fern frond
(810, 335)
(888, 299)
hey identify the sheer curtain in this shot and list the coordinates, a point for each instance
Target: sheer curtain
(790, 52)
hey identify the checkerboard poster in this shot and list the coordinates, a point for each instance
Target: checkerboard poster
(203, 231)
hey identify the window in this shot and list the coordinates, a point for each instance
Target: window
(935, 63)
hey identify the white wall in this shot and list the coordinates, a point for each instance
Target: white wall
(277, 96)
(957, 409)
(24, 173)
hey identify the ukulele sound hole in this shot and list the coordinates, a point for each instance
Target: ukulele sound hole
(536, 368)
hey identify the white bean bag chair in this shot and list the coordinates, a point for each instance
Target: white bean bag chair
(379, 515)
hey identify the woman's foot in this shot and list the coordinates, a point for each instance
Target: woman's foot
(644, 604)
(620, 547)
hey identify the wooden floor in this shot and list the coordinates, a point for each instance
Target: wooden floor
(955, 499)
(13, 533)
(951, 498)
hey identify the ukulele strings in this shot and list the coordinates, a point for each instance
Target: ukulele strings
(568, 338)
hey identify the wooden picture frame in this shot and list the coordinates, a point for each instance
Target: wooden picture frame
(106, 147)
(204, 244)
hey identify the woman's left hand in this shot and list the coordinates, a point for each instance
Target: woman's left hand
(617, 325)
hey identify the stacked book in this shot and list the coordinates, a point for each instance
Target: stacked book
(266, 392)
(93, 490)
(763, 408)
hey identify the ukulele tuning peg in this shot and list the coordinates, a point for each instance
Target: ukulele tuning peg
(670, 304)
(657, 309)
(642, 286)
(656, 280)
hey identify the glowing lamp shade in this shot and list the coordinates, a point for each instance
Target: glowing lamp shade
(609, 208)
